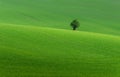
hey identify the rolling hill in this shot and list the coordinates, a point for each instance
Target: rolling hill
(36, 40)
(28, 51)
(100, 16)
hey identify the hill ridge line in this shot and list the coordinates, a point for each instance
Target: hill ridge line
(39, 27)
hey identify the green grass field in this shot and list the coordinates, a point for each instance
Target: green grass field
(36, 40)
(100, 16)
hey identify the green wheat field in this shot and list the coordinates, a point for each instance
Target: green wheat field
(36, 39)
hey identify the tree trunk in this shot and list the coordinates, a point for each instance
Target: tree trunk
(74, 28)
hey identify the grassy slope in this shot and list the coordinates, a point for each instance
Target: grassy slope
(34, 52)
(95, 15)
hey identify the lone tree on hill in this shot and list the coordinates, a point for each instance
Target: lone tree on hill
(75, 24)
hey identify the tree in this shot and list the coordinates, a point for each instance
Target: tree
(75, 24)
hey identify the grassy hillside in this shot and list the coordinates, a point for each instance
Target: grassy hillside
(36, 40)
(95, 15)
(46, 52)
